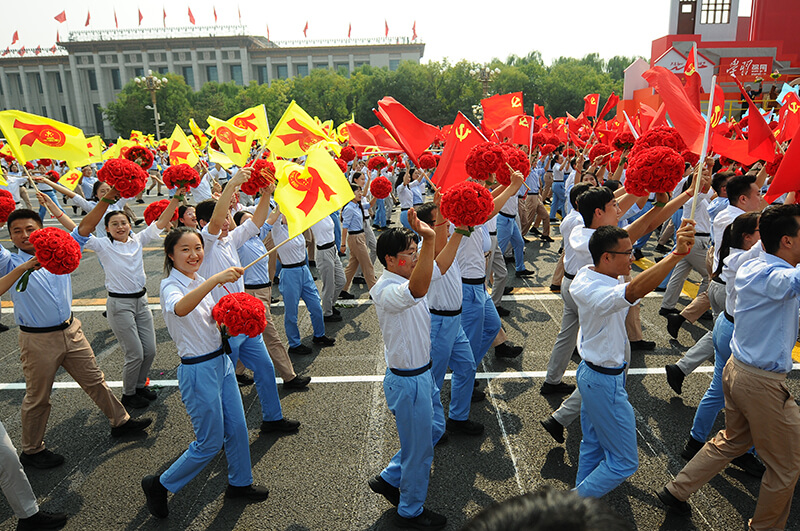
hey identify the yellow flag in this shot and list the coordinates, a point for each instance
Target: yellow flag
(70, 179)
(6, 151)
(180, 151)
(201, 138)
(215, 156)
(35, 137)
(137, 136)
(95, 146)
(342, 134)
(113, 151)
(253, 119)
(295, 133)
(308, 194)
(234, 142)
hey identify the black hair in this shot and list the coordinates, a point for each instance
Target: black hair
(577, 190)
(95, 186)
(23, 213)
(592, 199)
(425, 212)
(612, 184)
(738, 185)
(733, 237)
(400, 175)
(205, 209)
(109, 215)
(354, 177)
(171, 241)
(720, 179)
(181, 212)
(394, 241)
(604, 239)
(546, 509)
(237, 218)
(355, 187)
(775, 223)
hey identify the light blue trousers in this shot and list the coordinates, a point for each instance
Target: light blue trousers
(253, 353)
(297, 283)
(479, 319)
(450, 348)
(508, 231)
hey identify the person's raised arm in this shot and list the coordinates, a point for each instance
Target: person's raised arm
(262, 209)
(57, 187)
(190, 301)
(9, 280)
(516, 181)
(445, 257)
(420, 279)
(89, 223)
(224, 202)
(440, 224)
(648, 280)
(164, 219)
(55, 210)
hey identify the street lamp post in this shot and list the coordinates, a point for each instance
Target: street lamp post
(484, 75)
(151, 84)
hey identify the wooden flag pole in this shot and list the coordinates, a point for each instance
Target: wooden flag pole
(704, 149)
(266, 254)
(512, 170)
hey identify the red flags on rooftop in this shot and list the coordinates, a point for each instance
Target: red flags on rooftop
(414, 31)
(191, 17)
(215, 14)
(305, 30)
(349, 30)
(61, 17)
(88, 17)
(116, 24)
(386, 28)
(140, 17)
(15, 38)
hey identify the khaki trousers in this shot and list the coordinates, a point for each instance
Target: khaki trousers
(759, 411)
(558, 274)
(537, 212)
(42, 355)
(701, 303)
(275, 348)
(359, 256)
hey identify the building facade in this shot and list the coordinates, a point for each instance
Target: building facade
(74, 81)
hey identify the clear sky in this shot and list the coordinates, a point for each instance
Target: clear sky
(454, 30)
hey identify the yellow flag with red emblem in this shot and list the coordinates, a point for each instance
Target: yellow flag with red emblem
(180, 150)
(95, 146)
(253, 119)
(199, 136)
(296, 132)
(306, 194)
(233, 141)
(71, 179)
(35, 137)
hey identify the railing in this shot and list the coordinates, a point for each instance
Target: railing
(156, 33)
(306, 43)
(13, 53)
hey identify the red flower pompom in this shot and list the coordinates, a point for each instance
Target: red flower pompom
(348, 153)
(154, 211)
(659, 136)
(380, 187)
(624, 141)
(127, 177)
(569, 153)
(550, 138)
(483, 160)
(342, 164)
(240, 313)
(547, 149)
(427, 161)
(44, 162)
(162, 147)
(467, 204)
(517, 159)
(690, 157)
(29, 165)
(262, 175)
(653, 170)
(537, 139)
(598, 150)
(772, 167)
(7, 205)
(181, 175)
(56, 250)
(53, 176)
(377, 162)
(141, 156)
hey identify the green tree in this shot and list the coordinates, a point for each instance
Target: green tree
(322, 93)
(128, 111)
(216, 99)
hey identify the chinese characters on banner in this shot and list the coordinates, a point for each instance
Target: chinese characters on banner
(746, 68)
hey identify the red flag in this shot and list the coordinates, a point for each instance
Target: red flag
(732, 149)
(761, 141)
(61, 17)
(489, 133)
(386, 28)
(38, 50)
(462, 138)
(692, 86)
(21, 51)
(88, 17)
(239, 10)
(517, 129)
(686, 119)
(8, 50)
(15, 38)
(140, 17)
(215, 15)
(53, 49)
(719, 106)
(305, 30)
(499, 107)
(191, 17)
(349, 30)
(414, 31)
(650, 118)
(267, 31)
(538, 110)
(164, 15)
(116, 24)
(414, 135)
(590, 104)
(787, 179)
(789, 117)
(58, 37)
(384, 140)
(610, 104)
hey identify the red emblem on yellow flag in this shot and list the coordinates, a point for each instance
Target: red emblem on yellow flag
(253, 119)
(33, 137)
(233, 141)
(180, 151)
(296, 133)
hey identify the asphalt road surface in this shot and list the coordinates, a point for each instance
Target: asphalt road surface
(318, 476)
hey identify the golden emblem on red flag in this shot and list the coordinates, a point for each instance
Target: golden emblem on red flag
(462, 132)
(516, 101)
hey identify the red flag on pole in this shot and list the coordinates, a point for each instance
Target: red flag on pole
(386, 28)
(38, 50)
(789, 117)
(61, 17)
(787, 178)
(164, 15)
(88, 17)
(8, 50)
(140, 17)
(499, 107)
(305, 30)
(414, 135)
(590, 104)
(732, 149)
(191, 17)
(349, 29)
(692, 86)
(686, 119)
(21, 51)
(384, 140)
(15, 38)
(116, 24)
(239, 9)
(58, 37)
(414, 31)
(53, 49)
(215, 14)
(267, 31)
(610, 104)
(517, 129)
(462, 138)
(760, 140)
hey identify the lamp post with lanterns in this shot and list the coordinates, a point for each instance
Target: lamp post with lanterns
(152, 83)
(485, 76)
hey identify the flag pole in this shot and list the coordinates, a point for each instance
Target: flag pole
(266, 254)
(512, 170)
(630, 125)
(704, 149)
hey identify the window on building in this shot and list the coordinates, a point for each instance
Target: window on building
(188, 76)
(302, 70)
(19, 83)
(58, 83)
(163, 69)
(98, 118)
(1, 89)
(715, 12)
(261, 73)
(236, 74)
(212, 74)
(39, 82)
(394, 64)
(359, 64)
(64, 114)
(138, 72)
(116, 79)
(320, 66)
(92, 79)
(44, 112)
(282, 71)
(343, 69)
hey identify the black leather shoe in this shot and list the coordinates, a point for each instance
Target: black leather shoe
(41, 460)
(345, 295)
(662, 249)
(132, 426)
(750, 464)
(507, 290)
(535, 231)
(244, 380)
(146, 392)
(506, 350)
(156, 495)
(477, 396)
(467, 427)
(426, 520)
(282, 425)
(667, 311)
(707, 316)
(643, 345)
(298, 382)
(672, 502)
(251, 493)
(674, 323)
(555, 288)
(502, 312)
(378, 485)
(561, 388)
(638, 254)
(359, 281)
(3, 328)
(300, 349)
(554, 428)
(675, 377)
(42, 520)
(323, 341)
(692, 447)
(524, 273)
(547, 239)
(134, 401)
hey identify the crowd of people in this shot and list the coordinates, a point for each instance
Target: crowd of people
(438, 301)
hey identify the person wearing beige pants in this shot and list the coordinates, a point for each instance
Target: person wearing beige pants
(353, 235)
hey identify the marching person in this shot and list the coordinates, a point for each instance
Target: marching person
(329, 267)
(353, 234)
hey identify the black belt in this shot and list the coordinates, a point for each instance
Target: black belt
(728, 316)
(717, 279)
(605, 370)
(292, 266)
(354, 232)
(403, 209)
(200, 359)
(325, 246)
(128, 295)
(474, 281)
(557, 181)
(571, 277)
(47, 329)
(411, 372)
(446, 313)
(258, 286)
(506, 215)
(493, 233)
(706, 234)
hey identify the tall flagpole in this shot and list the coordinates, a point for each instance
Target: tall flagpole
(704, 149)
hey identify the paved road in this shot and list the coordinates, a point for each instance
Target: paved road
(317, 477)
